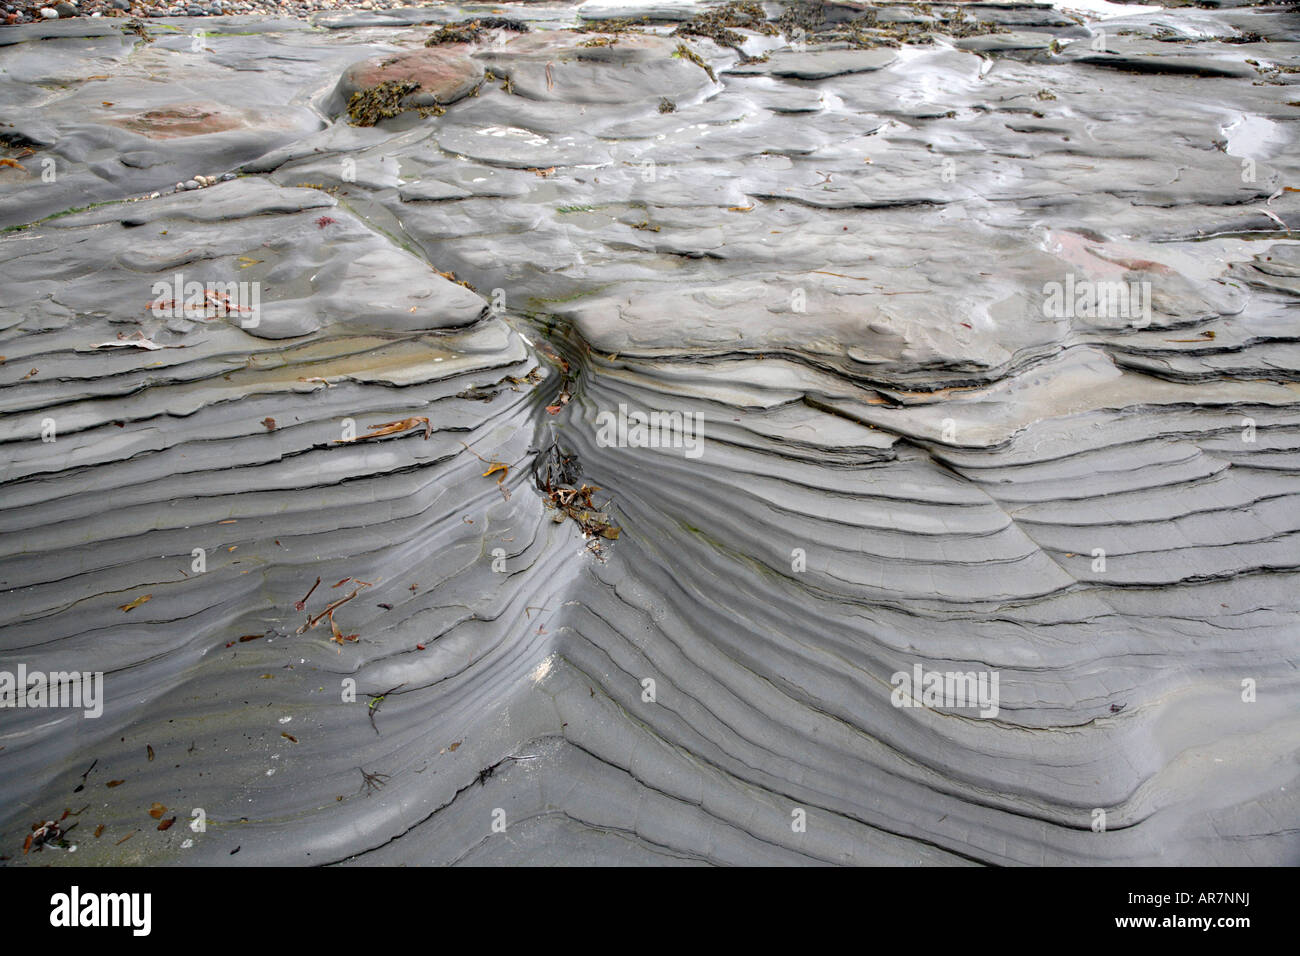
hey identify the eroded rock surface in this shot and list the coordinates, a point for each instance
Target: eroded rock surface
(852, 262)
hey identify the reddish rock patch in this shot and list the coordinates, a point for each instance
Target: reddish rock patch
(445, 74)
(181, 119)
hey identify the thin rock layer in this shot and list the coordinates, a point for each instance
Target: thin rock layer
(970, 338)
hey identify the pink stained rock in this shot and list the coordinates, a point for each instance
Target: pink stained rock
(445, 74)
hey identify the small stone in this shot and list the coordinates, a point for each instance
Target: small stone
(191, 184)
(120, 4)
(227, 177)
(49, 14)
(180, 186)
(65, 9)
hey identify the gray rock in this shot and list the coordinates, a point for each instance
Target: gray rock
(431, 191)
(666, 10)
(1007, 42)
(556, 66)
(886, 439)
(820, 65)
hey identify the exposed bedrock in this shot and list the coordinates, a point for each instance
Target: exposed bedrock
(567, 467)
(441, 75)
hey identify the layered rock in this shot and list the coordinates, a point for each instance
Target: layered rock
(975, 355)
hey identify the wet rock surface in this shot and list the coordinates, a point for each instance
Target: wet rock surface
(971, 340)
(441, 75)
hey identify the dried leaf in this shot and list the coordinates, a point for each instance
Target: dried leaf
(167, 824)
(289, 737)
(99, 830)
(391, 428)
(114, 783)
(339, 637)
(157, 810)
(138, 340)
(134, 604)
(451, 277)
(13, 164)
(269, 423)
(1276, 218)
(149, 751)
(495, 467)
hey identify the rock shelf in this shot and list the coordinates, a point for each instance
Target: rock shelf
(986, 325)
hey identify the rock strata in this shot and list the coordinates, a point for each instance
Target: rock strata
(630, 471)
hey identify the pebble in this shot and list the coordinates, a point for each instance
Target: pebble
(49, 14)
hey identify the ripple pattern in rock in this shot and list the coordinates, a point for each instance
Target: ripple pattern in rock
(969, 356)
